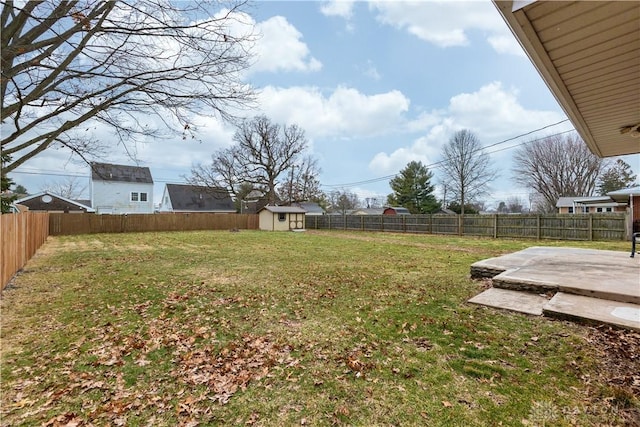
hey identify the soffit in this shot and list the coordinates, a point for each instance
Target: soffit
(588, 53)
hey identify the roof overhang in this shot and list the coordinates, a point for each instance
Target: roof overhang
(588, 54)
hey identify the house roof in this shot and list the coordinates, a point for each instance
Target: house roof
(120, 173)
(367, 211)
(199, 198)
(310, 207)
(46, 201)
(567, 202)
(624, 194)
(399, 210)
(283, 209)
(588, 54)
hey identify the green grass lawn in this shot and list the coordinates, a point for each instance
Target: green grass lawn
(315, 328)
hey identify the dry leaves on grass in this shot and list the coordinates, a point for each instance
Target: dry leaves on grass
(203, 372)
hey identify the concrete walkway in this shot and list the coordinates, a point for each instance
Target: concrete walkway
(583, 284)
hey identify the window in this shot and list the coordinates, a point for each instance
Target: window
(586, 210)
(598, 209)
(609, 209)
(282, 217)
(571, 210)
(138, 197)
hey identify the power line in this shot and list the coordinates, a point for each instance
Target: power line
(435, 165)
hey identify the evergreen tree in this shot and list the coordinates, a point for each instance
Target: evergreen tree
(617, 177)
(5, 184)
(413, 190)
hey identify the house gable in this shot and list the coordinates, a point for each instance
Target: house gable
(49, 202)
(121, 189)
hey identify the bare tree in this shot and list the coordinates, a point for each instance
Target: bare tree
(515, 204)
(71, 65)
(264, 152)
(222, 172)
(557, 166)
(342, 201)
(302, 183)
(70, 187)
(467, 168)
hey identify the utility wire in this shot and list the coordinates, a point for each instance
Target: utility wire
(435, 165)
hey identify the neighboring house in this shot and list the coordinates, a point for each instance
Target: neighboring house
(281, 218)
(121, 189)
(49, 202)
(310, 208)
(444, 211)
(396, 210)
(367, 211)
(194, 198)
(630, 196)
(256, 200)
(594, 204)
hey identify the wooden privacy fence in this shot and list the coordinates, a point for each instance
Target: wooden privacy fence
(21, 234)
(557, 227)
(61, 224)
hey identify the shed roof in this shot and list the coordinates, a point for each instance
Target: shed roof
(199, 198)
(588, 54)
(120, 173)
(283, 209)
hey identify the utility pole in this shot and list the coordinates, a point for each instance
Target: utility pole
(293, 167)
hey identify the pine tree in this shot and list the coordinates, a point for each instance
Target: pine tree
(617, 177)
(413, 190)
(5, 184)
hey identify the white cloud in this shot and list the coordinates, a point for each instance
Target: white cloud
(340, 8)
(371, 71)
(344, 113)
(447, 23)
(491, 112)
(280, 48)
(506, 43)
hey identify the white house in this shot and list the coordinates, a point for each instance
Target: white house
(281, 218)
(195, 198)
(121, 189)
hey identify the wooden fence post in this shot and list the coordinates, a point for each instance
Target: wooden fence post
(495, 226)
(538, 226)
(590, 226)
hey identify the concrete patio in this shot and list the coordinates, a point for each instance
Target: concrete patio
(581, 284)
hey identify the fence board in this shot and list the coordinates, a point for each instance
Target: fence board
(557, 227)
(64, 224)
(21, 234)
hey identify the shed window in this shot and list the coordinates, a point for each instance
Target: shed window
(134, 196)
(282, 217)
(143, 197)
(571, 210)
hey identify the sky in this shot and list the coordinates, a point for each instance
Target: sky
(374, 85)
